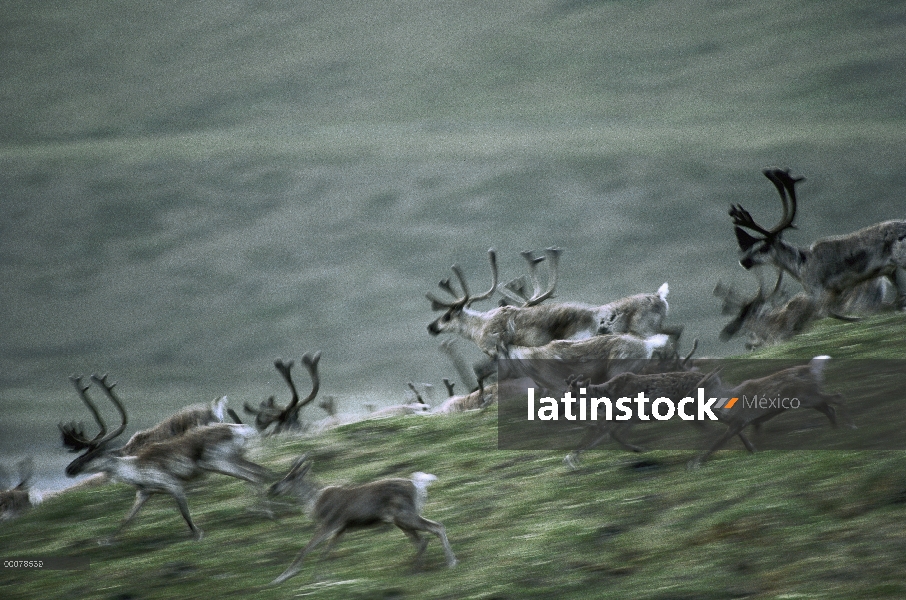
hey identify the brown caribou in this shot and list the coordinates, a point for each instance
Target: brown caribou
(831, 266)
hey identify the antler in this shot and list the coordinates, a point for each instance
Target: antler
(418, 397)
(514, 291)
(466, 299)
(73, 433)
(742, 306)
(553, 267)
(108, 389)
(26, 469)
(784, 183)
(284, 367)
(268, 412)
(311, 365)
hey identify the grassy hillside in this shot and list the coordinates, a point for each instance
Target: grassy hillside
(188, 194)
(806, 524)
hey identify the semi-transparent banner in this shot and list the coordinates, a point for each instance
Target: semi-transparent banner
(809, 404)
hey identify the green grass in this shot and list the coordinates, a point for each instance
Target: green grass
(806, 524)
(191, 193)
(877, 337)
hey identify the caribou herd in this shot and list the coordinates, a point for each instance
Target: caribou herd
(627, 342)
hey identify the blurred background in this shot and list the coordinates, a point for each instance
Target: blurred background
(187, 194)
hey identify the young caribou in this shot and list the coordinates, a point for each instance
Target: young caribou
(336, 509)
(673, 384)
(803, 382)
(163, 466)
(829, 266)
(537, 324)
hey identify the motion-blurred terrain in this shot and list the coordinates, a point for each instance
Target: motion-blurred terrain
(187, 194)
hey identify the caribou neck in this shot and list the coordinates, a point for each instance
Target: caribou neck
(790, 258)
(99, 460)
(470, 324)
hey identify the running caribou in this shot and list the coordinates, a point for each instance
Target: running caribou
(775, 317)
(17, 499)
(163, 466)
(600, 358)
(194, 415)
(337, 509)
(829, 266)
(537, 324)
(671, 384)
(286, 419)
(803, 382)
(765, 318)
(480, 398)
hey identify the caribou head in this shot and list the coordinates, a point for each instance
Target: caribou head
(73, 434)
(760, 250)
(454, 309)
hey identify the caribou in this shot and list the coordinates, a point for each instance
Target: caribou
(189, 417)
(16, 500)
(481, 398)
(195, 415)
(600, 358)
(284, 419)
(163, 466)
(336, 509)
(537, 324)
(765, 319)
(829, 266)
(672, 384)
(774, 317)
(803, 382)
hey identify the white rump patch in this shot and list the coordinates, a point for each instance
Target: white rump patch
(656, 342)
(218, 407)
(662, 292)
(421, 481)
(245, 432)
(817, 365)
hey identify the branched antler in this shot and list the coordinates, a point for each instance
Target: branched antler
(516, 292)
(268, 412)
(73, 433)
(785, 184)
(466, 299)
